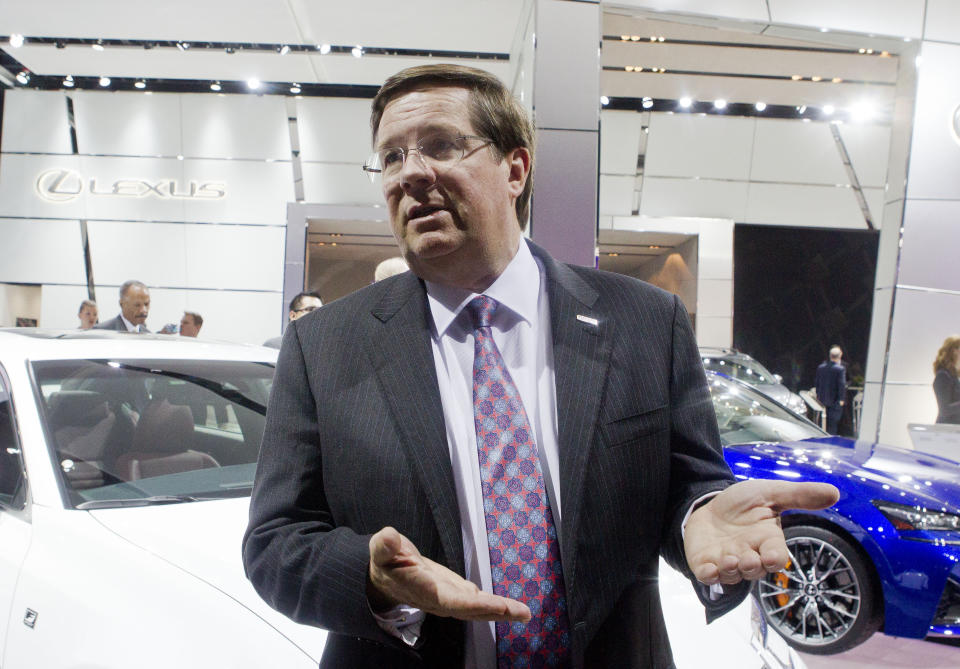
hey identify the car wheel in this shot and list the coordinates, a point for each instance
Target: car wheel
(826, 600)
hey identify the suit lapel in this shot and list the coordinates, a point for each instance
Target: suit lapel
(581, 358)
(400, 351)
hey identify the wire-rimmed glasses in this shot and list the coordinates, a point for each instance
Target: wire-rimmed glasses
(437, 149)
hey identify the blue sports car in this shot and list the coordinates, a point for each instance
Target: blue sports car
(886, 556)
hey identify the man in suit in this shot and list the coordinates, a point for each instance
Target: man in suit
(134, 308)
(477, 463)
(831, 387)
(301, 305)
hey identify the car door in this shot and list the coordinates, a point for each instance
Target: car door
(14, 525)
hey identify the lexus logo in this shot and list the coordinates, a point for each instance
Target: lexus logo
(62, 185)
(956, 123)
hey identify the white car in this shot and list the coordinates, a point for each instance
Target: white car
(126, 463)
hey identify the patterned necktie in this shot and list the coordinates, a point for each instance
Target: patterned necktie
(522, 538)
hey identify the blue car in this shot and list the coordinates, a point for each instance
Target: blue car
(885, 557)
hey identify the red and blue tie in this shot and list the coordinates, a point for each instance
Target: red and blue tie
(522, 538)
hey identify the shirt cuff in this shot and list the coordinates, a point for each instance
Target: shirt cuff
(402, 622)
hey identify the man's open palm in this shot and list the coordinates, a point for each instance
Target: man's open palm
(737, 535)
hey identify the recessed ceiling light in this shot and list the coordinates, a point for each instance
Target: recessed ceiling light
(23, 77)
(16, 40)
(104, 81)
(68, 81)
(97, 46)
(179, 156)
(796, 77)
(141, 84)
(720, 103)
(253, 83)
(647, 103)
(215, 87)
(183, 46)
(357, 51)
(862, 111)
(604, 100)
(283, 50)
(828, 110)
(295, 89)
(837, 80)
(324, 49)
(801, 109)
(815, 78)
(685, 102)
(760, 106)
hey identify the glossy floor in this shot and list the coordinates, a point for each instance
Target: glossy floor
(893, 653)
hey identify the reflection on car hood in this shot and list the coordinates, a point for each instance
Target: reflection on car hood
(923, 479)
(776, 391)
(203, 539)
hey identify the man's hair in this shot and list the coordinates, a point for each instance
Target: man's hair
(494, 113)
(835, 352)
(295, 302)
(131, 283)
(197, 318)
(86, 303)
(947, 355)
(389, 267)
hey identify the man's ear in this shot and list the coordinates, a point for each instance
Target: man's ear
(518, 163)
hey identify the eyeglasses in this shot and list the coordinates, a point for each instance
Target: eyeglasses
(439, 149)
(305, 310)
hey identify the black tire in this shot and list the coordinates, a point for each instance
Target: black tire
(830, 604)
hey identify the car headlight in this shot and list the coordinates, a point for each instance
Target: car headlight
(906, 517)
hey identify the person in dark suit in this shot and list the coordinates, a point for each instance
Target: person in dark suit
(134, 309)
(301, 305)
(477, 463)
(946, 384)
(831, 387)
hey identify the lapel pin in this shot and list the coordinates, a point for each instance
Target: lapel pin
(589, 321)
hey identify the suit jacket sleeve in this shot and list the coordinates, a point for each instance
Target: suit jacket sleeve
(697, 466)
(298, 560)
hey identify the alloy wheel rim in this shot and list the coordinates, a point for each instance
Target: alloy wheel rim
(816, 599)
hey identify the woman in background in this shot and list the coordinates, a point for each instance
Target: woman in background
(946, 384)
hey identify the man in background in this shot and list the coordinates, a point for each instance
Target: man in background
(134, 308)
(190, 324)
(831, 386)
(88, 314)
(389, 267)
(301, 305)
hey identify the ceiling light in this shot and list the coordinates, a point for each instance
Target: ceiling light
(604, 100)
(179, 156)
(796, 77)
(253, 84)
(863, 50)
(23, 77)
(98, 45)
(685, 102)
(629, 68)
(884, 54)
(869, 51)
(660, 39)
(295, 89)
(824, 30)
(624, 38)
(68, 81)
(357, 51)
(836, 80)
(634, 38)
(215, 87)
(647, 103)
(16, 40)
(720, 103)
(104, 81)
(816, 78)
(862, 112)
(801, 109)
(828, 110)
(760, 106)
(283, 50)
(183, 46)
(141, 84)
(324, 49)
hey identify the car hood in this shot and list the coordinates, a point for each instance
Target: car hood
(776, 391)
(905, 476)
(204, 539)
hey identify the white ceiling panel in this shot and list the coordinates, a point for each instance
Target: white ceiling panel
(702, 198)
(620, 141)
(335, 130)
(796, 152)
(35, 122)
(130, 124)
(804, 206)
(744, 10)
(868, 145)
(690, 145)
(883, 17)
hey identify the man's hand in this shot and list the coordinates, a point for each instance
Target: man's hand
(737, 535)
(400, 575)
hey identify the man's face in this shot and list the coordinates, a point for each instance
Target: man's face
(307, 304)
(88, 317)
(187, 327)
(135, 305)
(455, 225)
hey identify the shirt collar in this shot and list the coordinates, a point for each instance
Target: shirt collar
(517, 288)
(130, 326)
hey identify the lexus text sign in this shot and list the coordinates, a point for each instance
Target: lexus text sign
(64, 185)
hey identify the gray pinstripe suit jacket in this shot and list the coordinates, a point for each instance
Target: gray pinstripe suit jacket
(355, 441)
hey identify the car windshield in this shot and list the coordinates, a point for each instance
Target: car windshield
(743, 369)
(745, 415)
(127, 432)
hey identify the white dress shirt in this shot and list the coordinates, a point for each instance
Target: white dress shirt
(130, 326)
